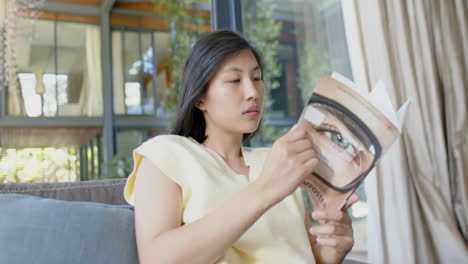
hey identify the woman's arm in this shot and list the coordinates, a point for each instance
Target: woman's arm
(158, 207)
(332, 240)
(158, 215)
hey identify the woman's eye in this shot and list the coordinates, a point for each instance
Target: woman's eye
(235, 81)
(257, 79)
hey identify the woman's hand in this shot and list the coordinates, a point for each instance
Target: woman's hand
(334, 236)
(289, 161)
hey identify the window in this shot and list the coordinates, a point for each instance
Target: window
(299, 40)
(59, 71)
(134, 56)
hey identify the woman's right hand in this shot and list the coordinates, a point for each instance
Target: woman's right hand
(290, 161)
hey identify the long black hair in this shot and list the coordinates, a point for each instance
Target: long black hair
(201, 64)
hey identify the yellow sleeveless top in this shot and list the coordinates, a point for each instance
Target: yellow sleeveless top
(206, 180)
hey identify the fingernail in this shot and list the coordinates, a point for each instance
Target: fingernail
(312, 230)
(317, 214)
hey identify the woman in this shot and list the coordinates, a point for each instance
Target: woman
(200, 197)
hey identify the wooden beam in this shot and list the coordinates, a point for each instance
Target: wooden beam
(75, 18)
(71, 8)
(124, 20)
(154, 23)
(85, 2)
(158, 8)
(60, 17)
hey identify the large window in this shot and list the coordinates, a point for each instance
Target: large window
(299, 40)
(59, 70)
(134, 56)
(148, 54)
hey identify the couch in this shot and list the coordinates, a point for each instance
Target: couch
(73, 222)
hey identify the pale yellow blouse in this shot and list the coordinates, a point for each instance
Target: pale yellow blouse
(206, 180)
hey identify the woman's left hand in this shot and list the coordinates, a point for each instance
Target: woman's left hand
(334, 236)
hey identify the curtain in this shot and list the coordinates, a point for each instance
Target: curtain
(418, 197)
(118, 78)
(91, 92)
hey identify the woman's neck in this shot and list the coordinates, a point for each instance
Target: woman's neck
(226, 145)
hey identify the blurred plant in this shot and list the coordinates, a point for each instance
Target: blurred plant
(118, 167)
(312, 63)
(186, 24)
(38, 165)
(14, 26)
(263, 31)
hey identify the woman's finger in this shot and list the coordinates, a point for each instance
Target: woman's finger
(332, 229)
(295, 134)
(351, 200)
(345, 243)
(301, 145)
(336, 216)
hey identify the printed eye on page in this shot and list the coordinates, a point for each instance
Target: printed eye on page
(350, 129)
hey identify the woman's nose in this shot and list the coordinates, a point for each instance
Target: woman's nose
(251, 90)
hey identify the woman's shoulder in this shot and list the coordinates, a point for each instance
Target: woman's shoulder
(166, 142)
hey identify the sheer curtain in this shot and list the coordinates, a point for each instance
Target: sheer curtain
(117, 74)
(91, 92)
(418, 199)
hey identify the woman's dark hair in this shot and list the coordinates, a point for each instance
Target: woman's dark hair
(203, 61)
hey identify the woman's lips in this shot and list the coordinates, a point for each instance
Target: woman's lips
(253, 113)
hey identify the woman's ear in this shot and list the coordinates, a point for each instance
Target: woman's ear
(200, 105)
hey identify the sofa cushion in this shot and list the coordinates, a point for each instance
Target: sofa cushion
(40, 230)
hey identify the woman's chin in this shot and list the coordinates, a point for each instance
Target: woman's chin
(250, 129)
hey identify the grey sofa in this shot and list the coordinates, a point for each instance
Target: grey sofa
(102, 191)
(74, 222)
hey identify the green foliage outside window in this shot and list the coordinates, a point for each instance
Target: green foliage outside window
(259, 26)
(38, 165)
(312, 63)
(184, 30)
(263, 30)
(118, 167)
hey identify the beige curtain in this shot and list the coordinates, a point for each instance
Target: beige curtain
(91, 92)
(117, 73)
(418, 200)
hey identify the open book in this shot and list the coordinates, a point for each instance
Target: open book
(350, 129)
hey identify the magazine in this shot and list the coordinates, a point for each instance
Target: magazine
(350, 129)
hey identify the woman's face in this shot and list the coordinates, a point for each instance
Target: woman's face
(343, 157)
(233, 101)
